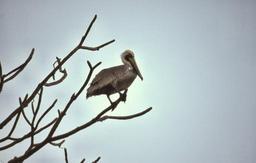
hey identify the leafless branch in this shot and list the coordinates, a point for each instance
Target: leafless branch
(97, 160)
(57, 144)
(49, 139)
(97, 47)
(66, 155)
(1, 78)
(73, 98)
(65, 74)
(13, 128)
(63, 71)
(46, 111)
(45, 80)
(18, 140)
(91, 122)
(13, 73)
(82, 161)
(35, 102)
(124, 117)
(25, 117)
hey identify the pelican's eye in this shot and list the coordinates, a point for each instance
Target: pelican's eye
(128, 57)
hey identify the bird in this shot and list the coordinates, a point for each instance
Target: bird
(115, 79)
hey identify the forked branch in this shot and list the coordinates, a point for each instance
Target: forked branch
(48, 140)
(125, 117)
(51, 74)
(13, 73)
(34, 121)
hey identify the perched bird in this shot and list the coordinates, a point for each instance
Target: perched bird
(115, 79)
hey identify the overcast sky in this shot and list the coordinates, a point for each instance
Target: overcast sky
(197, 57)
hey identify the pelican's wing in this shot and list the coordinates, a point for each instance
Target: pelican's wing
(107, 76)
(104, 77)
(105, 80)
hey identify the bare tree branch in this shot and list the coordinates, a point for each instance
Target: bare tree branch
(1, 78)
(66, 155)
(12, 74)
(52, 126)
(91, 122)
(13, 128)
(46, 111)
(58, 144)
(64, 74)
(87, 31)
(45, 80)
(97, 160)
(97, 47)
(25, 117)
(49, 139)
(73, 98)
(124, 117)
(18, 140)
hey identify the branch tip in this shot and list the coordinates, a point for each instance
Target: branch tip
(89, 64)
(83, 160)
(101, 119)
(97, 65)
(97, 160)
(66, 155)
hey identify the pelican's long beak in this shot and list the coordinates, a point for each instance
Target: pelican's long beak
(135, 67)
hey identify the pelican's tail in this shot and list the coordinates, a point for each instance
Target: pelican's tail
(88, 95)
(90, 92)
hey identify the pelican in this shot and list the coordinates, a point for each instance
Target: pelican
(115, 79)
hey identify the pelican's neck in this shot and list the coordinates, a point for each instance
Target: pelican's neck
(127, 64)
(128, 67)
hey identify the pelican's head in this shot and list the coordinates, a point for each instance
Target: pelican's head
(128, 59)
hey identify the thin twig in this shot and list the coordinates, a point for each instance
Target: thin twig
(17, 70)
(91, 122)
(63, 77)
(46, 111)
(45, 80)
(25, 117)
(13, 128)
(1, 78)
(97, 160)
(97, 47)
(73, 98)
(17, 140)
(87, 31)
(33, 119)
(49, 139)
(57, 144)
(66, 155)
(125, 117)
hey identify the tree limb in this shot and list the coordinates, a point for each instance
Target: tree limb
(124, 117)
(45, 80)
(12, 74)
(49, 139)
(66, 155)
(97, 160)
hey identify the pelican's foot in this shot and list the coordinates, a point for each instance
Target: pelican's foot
(123, 95)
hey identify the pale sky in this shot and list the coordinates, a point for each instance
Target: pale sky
(197, 57)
